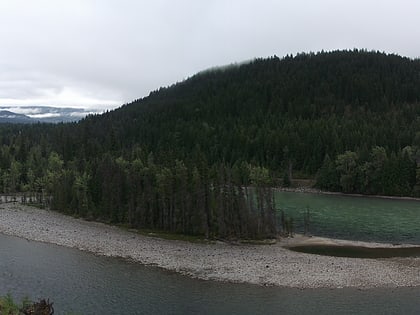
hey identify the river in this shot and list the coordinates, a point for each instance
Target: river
(354, 218)
(83, 283)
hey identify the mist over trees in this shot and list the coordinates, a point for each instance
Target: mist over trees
(200, 156)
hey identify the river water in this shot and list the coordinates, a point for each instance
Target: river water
(83, 283)
(354, 218)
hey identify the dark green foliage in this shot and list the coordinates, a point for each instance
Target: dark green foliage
(184, 158)
(327, 176)
(9, 307)
(379, 173)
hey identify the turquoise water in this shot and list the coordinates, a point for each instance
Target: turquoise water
(88, 284)
(354, 218)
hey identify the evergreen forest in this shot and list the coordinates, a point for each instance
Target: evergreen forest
(200, 157)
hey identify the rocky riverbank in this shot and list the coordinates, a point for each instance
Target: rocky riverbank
(258, 264)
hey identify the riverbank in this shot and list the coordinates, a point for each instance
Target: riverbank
(257, 264)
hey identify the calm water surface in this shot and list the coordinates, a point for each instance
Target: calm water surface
(355, 218)
(87, 284)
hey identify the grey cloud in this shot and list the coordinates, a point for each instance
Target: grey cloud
(106, 53)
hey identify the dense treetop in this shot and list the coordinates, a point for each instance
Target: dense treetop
(309, 105)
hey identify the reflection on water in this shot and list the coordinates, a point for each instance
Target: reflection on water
(89, 284)
(354, 218)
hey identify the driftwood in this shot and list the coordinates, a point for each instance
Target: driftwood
(43, 307)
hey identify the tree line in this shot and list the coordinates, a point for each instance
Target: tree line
(376, 173)
(215, 201)
(199, 157)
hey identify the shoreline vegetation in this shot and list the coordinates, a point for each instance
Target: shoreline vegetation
(247, 263)
(10, 307)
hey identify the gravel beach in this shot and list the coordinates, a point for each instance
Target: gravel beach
(257, 264)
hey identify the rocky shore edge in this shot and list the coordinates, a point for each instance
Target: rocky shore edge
(272, 265)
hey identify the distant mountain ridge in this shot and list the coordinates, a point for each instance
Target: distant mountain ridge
(42, 114)
(11, 117)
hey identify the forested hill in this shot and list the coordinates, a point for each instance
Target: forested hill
(268, 111)
(347, 118)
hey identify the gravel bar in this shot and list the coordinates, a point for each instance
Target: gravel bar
(256, 264)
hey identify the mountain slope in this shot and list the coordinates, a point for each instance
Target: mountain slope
(305, 106)
(10, 117)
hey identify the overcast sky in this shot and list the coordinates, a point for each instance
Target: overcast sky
(104, 53)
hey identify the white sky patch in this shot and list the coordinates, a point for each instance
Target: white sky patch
(101, 54)
(74, 98)
(46, 115)
(65, 97)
